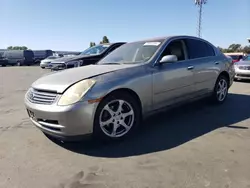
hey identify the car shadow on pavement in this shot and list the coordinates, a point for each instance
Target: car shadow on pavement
(172, 128)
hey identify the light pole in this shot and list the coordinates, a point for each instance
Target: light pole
(200, 4)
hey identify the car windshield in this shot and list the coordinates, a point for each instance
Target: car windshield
(52, 57)
(95, 50)
(131, 53)
(234, 57)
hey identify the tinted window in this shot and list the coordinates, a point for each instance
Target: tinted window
(14, 54)
(42, 53)
(95, 50)
(199, 49)
(234, 57)
(28, 54)
(49, 53)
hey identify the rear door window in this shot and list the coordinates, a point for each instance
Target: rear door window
(199, 49)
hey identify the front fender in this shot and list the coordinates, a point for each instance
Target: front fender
(138, 80)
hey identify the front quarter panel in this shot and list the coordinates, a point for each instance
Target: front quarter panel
(137, 79)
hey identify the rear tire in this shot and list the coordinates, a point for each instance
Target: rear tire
(220, 90)
(117, 117)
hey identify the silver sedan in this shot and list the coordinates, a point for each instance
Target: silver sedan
(111, 98)
(242, 69)
(45, 62)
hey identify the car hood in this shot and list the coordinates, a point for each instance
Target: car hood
(75, 58)
(46, 60)
(60, 81)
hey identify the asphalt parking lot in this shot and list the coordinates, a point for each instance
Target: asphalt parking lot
(195, 146)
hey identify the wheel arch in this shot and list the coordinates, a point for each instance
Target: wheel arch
(128, 91)
(226, 74)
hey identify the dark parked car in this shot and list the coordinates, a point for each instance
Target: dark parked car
(41, 54)
(3, 60)
(90, 56)
(19, 57)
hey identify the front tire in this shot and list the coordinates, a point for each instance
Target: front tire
(221, 90)
(117, 116)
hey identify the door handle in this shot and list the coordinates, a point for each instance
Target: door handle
(190, 68)
(216, 63)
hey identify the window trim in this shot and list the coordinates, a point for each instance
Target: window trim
(184, 49)
(111, 49)
(170, 39)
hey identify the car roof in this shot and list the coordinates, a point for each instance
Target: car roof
(167, 37)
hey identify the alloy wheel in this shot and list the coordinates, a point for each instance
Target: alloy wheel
(222, 90)
(116, 118)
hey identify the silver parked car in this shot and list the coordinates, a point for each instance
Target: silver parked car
(45, 62)
(109, 99)
(242, 69)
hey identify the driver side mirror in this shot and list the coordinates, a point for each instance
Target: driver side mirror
(168, 59)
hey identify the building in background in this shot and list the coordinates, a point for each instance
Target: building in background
(248, 40)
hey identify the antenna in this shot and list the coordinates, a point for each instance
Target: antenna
(200, 4)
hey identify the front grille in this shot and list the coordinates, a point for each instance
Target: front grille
(41, 97)
(58, 66)
(244, 67)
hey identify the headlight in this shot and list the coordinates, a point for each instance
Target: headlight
(76, 92)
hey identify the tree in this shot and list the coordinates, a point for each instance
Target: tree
(17, 48)
(104, 40)
(92, 44)
(235, 48)
(246, 49)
